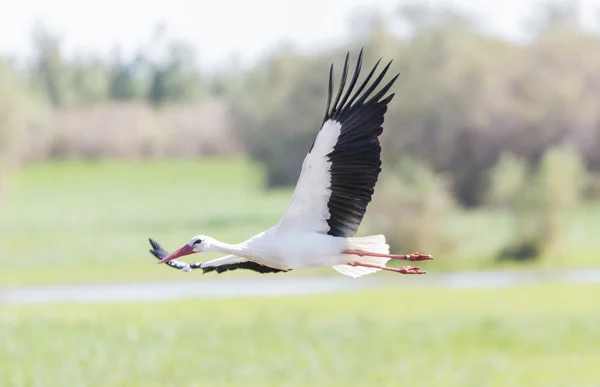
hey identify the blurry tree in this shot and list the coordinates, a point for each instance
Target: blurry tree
(176, 79)
(508, 177)
(562, 178)
(228, 80)
(48, 66)
(452, 91)
(88, 81)
(173, 71)
(163, 71)
(419, 18)
(559, 90)
(554, 15)
(83, 80)
(124, 84)
(371, 30)
(15, 111)
(280, 111)
(543, 204)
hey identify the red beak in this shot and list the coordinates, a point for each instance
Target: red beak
(185, 250)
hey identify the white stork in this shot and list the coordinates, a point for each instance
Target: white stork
(330, 199)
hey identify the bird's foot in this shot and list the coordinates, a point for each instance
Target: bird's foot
(401, 270)
(410, 270)
(418, 257)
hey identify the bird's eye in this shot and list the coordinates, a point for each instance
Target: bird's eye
(197, 242)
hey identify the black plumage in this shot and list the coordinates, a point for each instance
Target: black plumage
(249, 265)
(356, 157)
(159, 252)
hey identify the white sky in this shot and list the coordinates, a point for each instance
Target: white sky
(220, 28)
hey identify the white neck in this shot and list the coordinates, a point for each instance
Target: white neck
(216, 246)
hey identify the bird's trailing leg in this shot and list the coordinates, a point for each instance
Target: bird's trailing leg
(401, 270)
(406, 257)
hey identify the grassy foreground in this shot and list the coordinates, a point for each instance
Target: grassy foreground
(542, 335)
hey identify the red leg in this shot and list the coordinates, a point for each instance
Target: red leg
(401, 270)
(408, 257)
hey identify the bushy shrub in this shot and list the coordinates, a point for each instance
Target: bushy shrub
(541, 205)
(411, 206)
(506, 181)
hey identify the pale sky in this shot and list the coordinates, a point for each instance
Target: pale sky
(220, 28)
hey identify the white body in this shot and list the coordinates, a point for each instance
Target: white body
(295, 250)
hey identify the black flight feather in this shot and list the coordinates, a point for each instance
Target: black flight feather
(249, 265)
(342, 82)
(356, 157)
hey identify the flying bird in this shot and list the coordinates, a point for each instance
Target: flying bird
(329, 201)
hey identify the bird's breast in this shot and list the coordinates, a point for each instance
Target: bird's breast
(295, 251)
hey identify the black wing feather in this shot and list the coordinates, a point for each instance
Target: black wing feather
(356, 157)
(364, 84)
(354, 78)
(342, 81)
(329, 93)
(249, 265)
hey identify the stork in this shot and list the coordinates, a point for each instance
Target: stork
(329, 201)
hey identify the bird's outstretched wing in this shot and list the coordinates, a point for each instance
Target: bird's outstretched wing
(219, 265)
(340, 171)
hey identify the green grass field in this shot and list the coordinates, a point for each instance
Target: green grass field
(541, 335)
(89, 222)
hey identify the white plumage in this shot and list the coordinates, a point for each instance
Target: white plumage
(308, 211)
(335, 186)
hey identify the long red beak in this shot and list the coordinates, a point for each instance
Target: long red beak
(185, 250)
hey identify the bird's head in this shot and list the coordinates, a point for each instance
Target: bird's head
(198, 244)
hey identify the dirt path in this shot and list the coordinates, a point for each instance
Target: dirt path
(273, 286)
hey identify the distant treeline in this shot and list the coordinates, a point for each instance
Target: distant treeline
(464, 101)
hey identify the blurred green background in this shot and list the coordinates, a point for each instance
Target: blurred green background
(491, 164)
